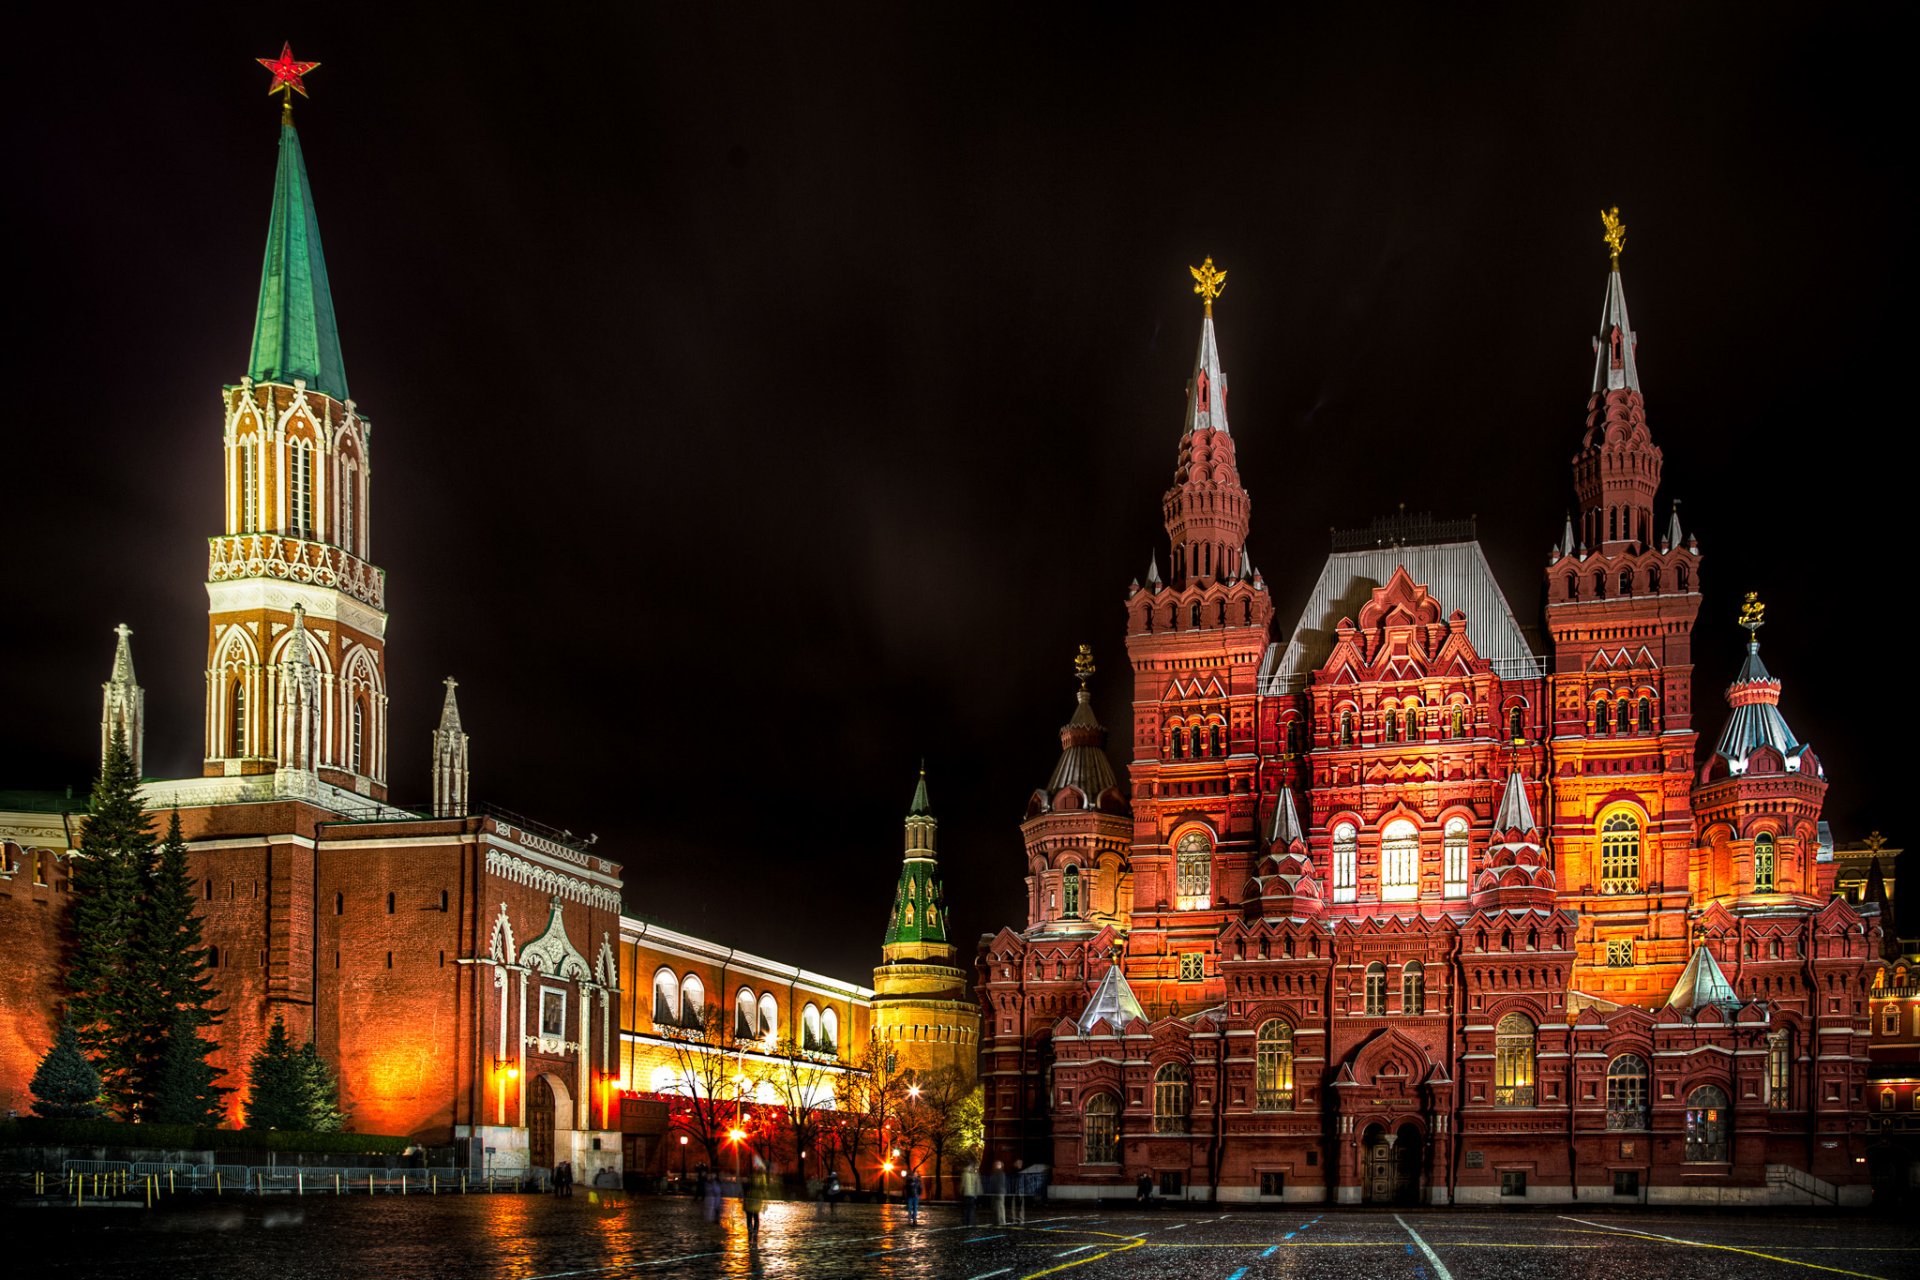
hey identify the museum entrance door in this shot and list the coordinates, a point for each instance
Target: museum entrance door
(1391, 1172)
(540, 1123)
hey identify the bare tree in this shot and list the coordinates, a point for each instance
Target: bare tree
(708, 1083)
(930, 1111)
(802, 1085)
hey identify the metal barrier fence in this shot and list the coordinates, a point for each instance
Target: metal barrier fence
(119, 1180)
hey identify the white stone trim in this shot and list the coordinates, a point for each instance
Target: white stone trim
(521, 871)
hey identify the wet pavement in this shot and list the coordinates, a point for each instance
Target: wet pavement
(539, 1238)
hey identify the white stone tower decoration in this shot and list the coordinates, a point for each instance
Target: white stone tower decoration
(450, 760)
(123, 704)
(298, 728)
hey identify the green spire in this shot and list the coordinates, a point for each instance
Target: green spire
(919, 904)
(293, 330)
(921, 806)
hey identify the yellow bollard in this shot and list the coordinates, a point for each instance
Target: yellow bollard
(433, 1180)
(216, 1182)
(403, 1182)
(463, 1182)
(169, 1181)
(369, 1183)
(149, 1193)
(336, 1184)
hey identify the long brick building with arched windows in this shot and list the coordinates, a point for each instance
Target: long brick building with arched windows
(1405, 905)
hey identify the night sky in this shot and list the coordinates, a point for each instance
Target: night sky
(764, 401)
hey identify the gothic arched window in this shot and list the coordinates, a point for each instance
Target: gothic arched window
(1101, 1130)
(1193, 869)
(810, 1029)
(666, 996)
(1680, 577)
(359, 735)
(1456, 859)
(1620, 853)
(1346, 849)
(1513, 1062)
(1070, 892)
(349, 484)
(1707, 1125)
(1413, 988)
(1627, 1092)
(1763, 863)
(237, 718)
(829, 1032)
(1376, 988)
(1399, 861)
(249, 483)
(1196, 613)
(300, 488)
(1171, 1086)
(1273, 1067)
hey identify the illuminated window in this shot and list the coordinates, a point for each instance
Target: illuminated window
(693, 1003)
(769, 1021)
(1780, 1071)
(744, 1015)
(1413, 720)
(830, 1032)
(1763, 864)
(249, 483)
(1456, 849)
(1392, 726)
(1887, 1099)
(1627, 1092)
(1273, 1067)
(1517, 724)
(1193, 869)
(1707, 1125)
(359, 731)
(1171, 1086)
(1346, 848)
(1413, 988)
(1376, 988)
(1619, 953)
(1620, 853)
(1513, 1062)
(1602, 722)
(1346, 728)
(1399, 861)
(1889, 1019)
(1459, 722)
(237, 719)
(300, 488)
(666, 997)
(1101, 1131)
(1192, 966)
(810, 1029)
(1070, 891)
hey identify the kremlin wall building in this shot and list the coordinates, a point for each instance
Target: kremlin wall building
(471, 976)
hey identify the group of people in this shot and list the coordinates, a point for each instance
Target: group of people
(563, 1178)
(1006, 1188)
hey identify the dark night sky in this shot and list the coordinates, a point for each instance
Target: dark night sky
(762, 402)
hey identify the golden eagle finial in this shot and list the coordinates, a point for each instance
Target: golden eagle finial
(1752, 613)
(1208, 282)
(1616, 236)
(1083, 664)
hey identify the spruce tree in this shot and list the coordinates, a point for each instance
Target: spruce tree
(275, 1087)
(110, 1011)
(170, 966)
(320, 1092)
(65, 1086)
(184, 1088)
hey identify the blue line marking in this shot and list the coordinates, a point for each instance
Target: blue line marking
(978, 1239)
(1236, 1275)
(1273, 1249)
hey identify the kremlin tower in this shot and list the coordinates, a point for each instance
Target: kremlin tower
(923, 1012)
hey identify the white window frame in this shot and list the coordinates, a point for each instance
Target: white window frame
(1459, 846)
(1399, 861)
(1346, 858)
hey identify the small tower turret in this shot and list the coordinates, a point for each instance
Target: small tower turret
(450, 759)
(123, 703)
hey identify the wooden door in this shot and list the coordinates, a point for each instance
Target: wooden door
(1382, 1173)
(540, 1124)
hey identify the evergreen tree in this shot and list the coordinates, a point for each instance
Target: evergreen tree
(65, 1086)
(170, 967)
(319, 1090)
(110, 1011)
(184, 1089)
(274, 1086)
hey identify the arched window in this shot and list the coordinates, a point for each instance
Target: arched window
(1346, 849)
(1293, 737)
(693, 1003)
(1680, 577)
(666, 996)
(1627, 1092)
(1399, 861)
(1513, 1062)
(1171, 1085)
(769, 1016)
(1196, 613)
(1707, 1125)
(745, 1015)
(1193, 869)
(810, 1029)
(1763, 863)
(1456, 860)
(830, 1032)
(1413, 988)
(1391, 730)
(1101, 1130)
(1346, 728)
(1602, 721)
(1197, 736)
(1620, 853)
(1176, 741)
(1376, 988)
(1517, 724)
(349, 486)
(1459, 729)
(359, 734)
(1214, 740)
(1653, 579)
(249, 483)
(1413, 720)
(1646, 715)
(1273, 1067)
(1070, 892)
(1626, 582)
(237, 719)
(1780, 1070)
(300, 488)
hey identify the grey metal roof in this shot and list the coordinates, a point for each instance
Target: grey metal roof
(1614, 312)
(1455, 573)
(1114, 1001)
(1757, 723)
(1702, 983)
(1286, 822)
(1515, 813)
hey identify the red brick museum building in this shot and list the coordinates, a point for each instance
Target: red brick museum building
(1404, 905)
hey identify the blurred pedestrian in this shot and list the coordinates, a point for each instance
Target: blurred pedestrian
(969, 1193)
(833, 1193)
(1019, 1191)
(913, 1197)
(1143, 1190)
(753, 1198)
(997, 1191)
(714, 1202)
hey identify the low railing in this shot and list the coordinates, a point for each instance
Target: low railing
(84, 1181)
(271, 555)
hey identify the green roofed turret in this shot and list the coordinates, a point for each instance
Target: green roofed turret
(294, 335)
(919, 918)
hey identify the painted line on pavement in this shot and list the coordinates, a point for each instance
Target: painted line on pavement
(1729, 1248)
(1077, 1249)
(1273, 1249)
(1439, 1267)
(1081, 1262)
(1236, 1275)
(978, 1239)
(649, 1262)
(988, 1275)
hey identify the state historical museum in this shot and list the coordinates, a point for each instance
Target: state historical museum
(1403, 906)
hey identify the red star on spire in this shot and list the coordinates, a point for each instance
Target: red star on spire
(288, 75)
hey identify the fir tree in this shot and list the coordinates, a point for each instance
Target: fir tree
(274, 1086)
(184, 1089)
(320, 1092)
(111, 1013)
(66, 1087)
(170, 967)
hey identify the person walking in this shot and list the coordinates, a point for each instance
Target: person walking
(1143, 1191)
(715, 1203)
(969, 1193)
(997, 1191)
(913, 1197)
(1019, 1192)
(753, 1198)
(833, 1193)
